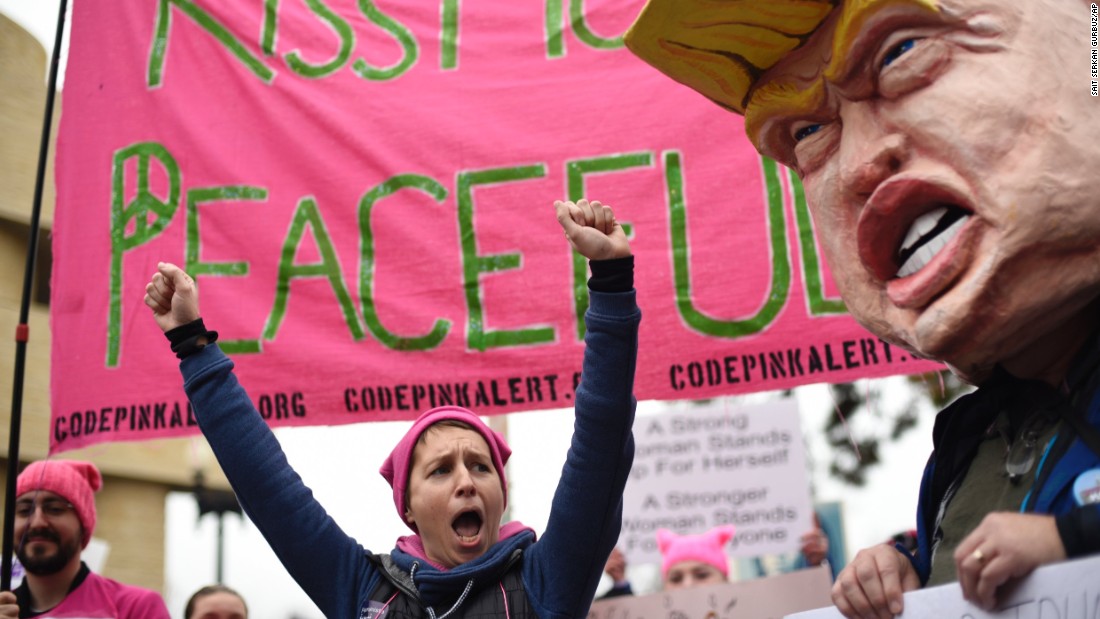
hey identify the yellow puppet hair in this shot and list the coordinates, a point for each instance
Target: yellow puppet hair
(721, 47)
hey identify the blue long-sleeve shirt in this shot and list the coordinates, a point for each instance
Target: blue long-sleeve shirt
(560, 571)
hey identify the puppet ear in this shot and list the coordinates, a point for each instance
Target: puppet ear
(723, 534)
(665, 538)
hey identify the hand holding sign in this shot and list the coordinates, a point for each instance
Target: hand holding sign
(1005, 546)
(873, 583)
(616, 566)
(592, 230)
(8, 605)
(172, 296)
(815, 546)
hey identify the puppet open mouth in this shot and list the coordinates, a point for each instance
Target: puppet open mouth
(467, 525)
(927, 235)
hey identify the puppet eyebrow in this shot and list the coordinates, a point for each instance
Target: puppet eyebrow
(791, 97)
(850, 41)
(852, 37)
(781, 100)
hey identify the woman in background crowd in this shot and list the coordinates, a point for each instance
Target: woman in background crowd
(216, 602)
(694, 560)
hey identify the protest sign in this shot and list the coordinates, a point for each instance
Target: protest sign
(711, 465)
(1068, 590)
(362, 191)
(763, 598)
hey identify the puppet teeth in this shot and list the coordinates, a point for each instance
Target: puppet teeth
(922, 249)
(922, 226)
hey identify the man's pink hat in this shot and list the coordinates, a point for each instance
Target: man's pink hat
(706, 548)
(74, 480)
(396, 467)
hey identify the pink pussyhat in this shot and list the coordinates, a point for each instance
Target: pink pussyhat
(74, 480)
(396, 467)
(706, 548)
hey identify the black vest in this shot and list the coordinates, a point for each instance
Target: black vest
(396, 598)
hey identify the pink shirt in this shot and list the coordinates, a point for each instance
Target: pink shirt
(102, 598)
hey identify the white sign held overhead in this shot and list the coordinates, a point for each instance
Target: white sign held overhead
(712, 465)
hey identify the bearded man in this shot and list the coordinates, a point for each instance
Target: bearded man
(55, 516)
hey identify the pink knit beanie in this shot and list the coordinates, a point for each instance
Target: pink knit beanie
(706, 548)
(396, 467)
(74, 480)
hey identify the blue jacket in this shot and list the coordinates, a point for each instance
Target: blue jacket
(959, 430)
(560, 571)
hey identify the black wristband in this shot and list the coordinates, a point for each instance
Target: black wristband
(615, 275)
(185, 338)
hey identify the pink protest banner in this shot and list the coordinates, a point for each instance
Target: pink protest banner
(363, 192)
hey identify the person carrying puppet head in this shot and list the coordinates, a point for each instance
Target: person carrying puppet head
(949, 151)
(447, 473)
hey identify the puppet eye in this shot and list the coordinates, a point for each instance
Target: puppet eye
(896, 51)
(806, 131)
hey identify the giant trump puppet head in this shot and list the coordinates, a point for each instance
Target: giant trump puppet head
(950, 151)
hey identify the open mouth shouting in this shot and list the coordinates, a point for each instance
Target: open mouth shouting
(911, 238)
(467, 527)
(927, 236)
